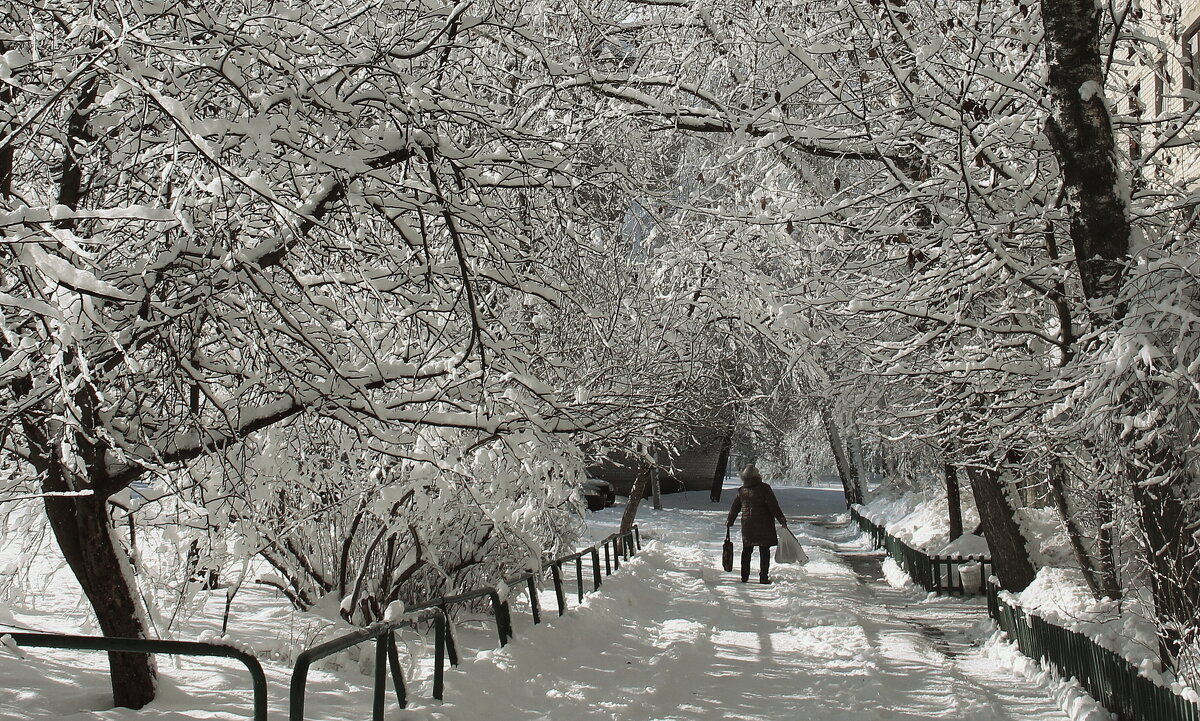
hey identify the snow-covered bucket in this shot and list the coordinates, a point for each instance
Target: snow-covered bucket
(971, 575)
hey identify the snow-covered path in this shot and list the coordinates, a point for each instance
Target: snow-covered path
(673, 637)
(669, 636)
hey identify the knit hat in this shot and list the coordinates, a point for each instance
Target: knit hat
(750, 472)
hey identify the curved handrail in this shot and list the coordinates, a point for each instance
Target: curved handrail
(622, 544)
(385, 653)
(498, 607)
(258, 679)
(381, 632)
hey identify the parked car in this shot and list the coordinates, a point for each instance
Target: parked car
(598, 494)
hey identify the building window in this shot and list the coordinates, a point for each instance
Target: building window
(1190, 59)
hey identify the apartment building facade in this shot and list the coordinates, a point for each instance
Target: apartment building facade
(1157, 103)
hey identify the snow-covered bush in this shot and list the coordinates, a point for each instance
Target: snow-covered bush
(347, 529)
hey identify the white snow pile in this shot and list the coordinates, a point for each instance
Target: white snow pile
(920, 520)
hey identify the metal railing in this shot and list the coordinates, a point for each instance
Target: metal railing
(938, 574)
(616, 546)
(387, 656)
(530, 581)
(594, 553)
(1109, 678)
(258, 679)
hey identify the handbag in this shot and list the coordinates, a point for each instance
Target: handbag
(789, 550)
(727, 552)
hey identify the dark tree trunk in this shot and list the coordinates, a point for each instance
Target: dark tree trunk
(76, 507)
(81, 527)
(636, 494)
(1057, 481)
(714, 493)
(1172, 551)
(1080, 130)
(852, 462)
(1010, 556)
(7, 115)
(80, 523)
(845, 473)
(953, 502)
(1110, 580)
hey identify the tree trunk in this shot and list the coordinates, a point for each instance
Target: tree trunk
(1161, 494)
(856, 453)
(7, 115)
(889, 465)
(852, 462)
(1080, 130)
(81, 527)
(656, 486)
(1110, 580)
(851, 491)
(953, 501)
(1010, 556)
(1057, 481)
(718, 483)
(635, 498)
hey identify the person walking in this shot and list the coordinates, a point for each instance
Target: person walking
(756, 503)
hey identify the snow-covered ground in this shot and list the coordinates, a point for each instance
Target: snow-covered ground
(1058, 594)
(670, 636)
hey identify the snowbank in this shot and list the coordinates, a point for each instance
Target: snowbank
(920, 519)
(1058, 594)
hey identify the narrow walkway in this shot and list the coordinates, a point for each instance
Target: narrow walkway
(673, 637)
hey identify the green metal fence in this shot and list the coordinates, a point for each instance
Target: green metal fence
(1108, 677)
(939, 574)
(258, 679)
(616, 547)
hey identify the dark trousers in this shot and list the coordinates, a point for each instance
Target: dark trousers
(764, 566)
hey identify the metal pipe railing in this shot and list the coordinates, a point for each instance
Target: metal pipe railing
(616, 546)
(386, 654)
(258, 679)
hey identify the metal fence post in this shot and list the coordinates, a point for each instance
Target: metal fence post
(397, 671)
(535, 606)
(595, 568)
(556, 574)
(439, 655)
(381, 654)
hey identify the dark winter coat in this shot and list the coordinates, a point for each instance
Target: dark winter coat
(756, 502)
